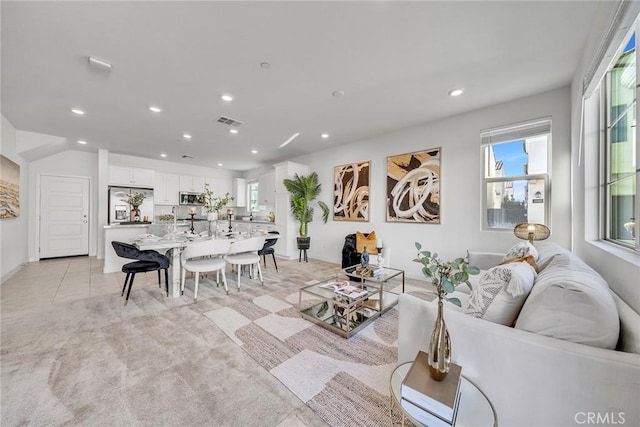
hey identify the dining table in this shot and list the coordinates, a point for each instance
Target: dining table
(172, 246)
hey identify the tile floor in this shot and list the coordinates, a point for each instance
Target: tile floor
(41, 284)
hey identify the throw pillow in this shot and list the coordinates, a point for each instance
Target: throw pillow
(528, 259)
(501, 293)
(369, 241)
(521, 249)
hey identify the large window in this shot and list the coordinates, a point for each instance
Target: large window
(620, 157)
(516, 174)
(253, 196)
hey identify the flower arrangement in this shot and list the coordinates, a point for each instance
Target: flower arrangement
(135, 199)
(445, 275)
(213, 204)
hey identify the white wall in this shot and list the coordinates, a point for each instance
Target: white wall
(461, 181)
(13, 232)
(619, 266)
(68, 163)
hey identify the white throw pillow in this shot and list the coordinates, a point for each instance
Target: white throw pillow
(521, 250)
(501, 292)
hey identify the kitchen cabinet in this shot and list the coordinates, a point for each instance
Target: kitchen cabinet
(267, 188)
(131, 177)
(192, 183)
(239, 192)
(166, 189)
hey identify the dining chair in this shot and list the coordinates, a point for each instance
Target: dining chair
(245, 252)
(147, 260)
(269, 248)
(200, 257)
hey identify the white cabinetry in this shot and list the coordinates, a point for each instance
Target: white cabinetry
(131, 177)
(267, 188)
(225, 185)
(166, 189)
(240, 192)
(191, 183)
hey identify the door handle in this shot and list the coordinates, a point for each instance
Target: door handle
(85, 221)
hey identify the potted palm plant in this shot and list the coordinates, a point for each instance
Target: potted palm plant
(304, 190)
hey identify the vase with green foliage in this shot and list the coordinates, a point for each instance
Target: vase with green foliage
(445, 276)
(304, 189)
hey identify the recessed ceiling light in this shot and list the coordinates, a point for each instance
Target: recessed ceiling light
(337, 93)
(99, 64)
(81, 141)
(265, 65)
(254, 151)
(219, 164)
(226, 97)
(324, 135)
(233, 130)
(77, 111)
(291, 138)
(155, 109)
(186, 136)
(456, 92)
(163, 154)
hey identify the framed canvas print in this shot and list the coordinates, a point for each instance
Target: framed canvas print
(413, 187)
(9, 188)
(351, 192)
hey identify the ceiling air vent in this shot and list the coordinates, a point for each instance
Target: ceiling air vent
(229, 121)
(185, 156)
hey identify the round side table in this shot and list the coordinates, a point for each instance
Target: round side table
(475, 408)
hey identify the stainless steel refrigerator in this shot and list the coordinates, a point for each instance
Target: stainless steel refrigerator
(120, 210)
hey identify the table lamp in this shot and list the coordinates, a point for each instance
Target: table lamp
(530, 231)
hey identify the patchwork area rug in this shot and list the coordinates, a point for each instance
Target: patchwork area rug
(344, 381)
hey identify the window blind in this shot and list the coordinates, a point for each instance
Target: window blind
(516, 131)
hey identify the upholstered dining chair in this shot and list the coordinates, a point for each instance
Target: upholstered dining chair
(206, 256)
(245, 252)
(269, 249)
(147, 260)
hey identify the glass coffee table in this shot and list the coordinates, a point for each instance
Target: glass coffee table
(475, 407)
(345, 316)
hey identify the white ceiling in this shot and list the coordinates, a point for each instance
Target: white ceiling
(395, 62)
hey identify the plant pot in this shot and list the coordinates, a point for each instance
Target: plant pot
(304, 242)
(135, 214)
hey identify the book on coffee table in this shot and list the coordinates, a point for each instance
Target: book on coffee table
(426, 417)
(439, 398)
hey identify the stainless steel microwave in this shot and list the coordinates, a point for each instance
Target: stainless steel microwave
(189, 198)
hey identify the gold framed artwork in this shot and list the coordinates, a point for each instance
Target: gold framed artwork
(413, 187)
(9, 188)
(351, 192)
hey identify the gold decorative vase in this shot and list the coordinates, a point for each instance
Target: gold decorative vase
(439, 348)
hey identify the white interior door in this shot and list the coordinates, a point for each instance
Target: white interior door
(64, 216)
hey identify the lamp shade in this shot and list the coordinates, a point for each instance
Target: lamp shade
(530, 231)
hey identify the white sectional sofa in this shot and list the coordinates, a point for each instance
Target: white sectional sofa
(535, 378)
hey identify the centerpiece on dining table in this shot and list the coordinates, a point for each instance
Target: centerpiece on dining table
(212, 204)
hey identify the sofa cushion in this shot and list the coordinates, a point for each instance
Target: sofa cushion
(571, 301)
(501, 292)
(521, 250)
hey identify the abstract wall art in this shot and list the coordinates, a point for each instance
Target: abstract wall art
(351, 192)
(9, 188)
(413, 187)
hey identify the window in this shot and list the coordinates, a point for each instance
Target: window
(619, 160)
(253, 196)
(516, 183)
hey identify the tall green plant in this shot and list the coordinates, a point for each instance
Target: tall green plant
(304, 190)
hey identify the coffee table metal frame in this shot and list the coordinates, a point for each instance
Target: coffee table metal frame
(346, 317)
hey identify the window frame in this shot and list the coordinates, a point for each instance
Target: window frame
(488, 140)
(604, 164)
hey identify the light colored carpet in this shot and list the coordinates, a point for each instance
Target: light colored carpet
(241, 359)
